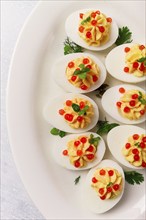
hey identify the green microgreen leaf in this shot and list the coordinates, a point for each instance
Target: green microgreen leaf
(83, 111)
(94, 140)
(56, 131)
(76, 107)
(77, 180)
(86, 20)
(110, 183)
(133, 177)
(141, 99)
(71, 47)
(124, 36)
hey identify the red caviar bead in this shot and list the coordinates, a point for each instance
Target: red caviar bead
(83, 140)
(116, 187)
(90, 148)
(81, 15)
(93, 14)
(126, 69)
(61, 111)
(82, 105)
(88, 34)
(94, 180)
(94, 22)
(144, 139)
(142, 112)
(101, 29)
(142, 145)
(135, 151)
(95, 78)
(135, 136)
(126, 109)
(80, 118)
(109, 189)
(73, 78)
(83, 87)
(102, 172)
(77, 164)
(135, 65)
(134, 96)
(143, 164)
(132, 103)
(65, 152)
(141, 47)
(119, 104)
(89, 66)
(111, 172)
(68, 117)
(81, 29)
(127, 49)
(136, 157)
(79, 152)
(103, 197)
(141, 68)
(86, 60)
(77, 143)
(97, 12)
(90, 156)
(71, 64)
(121, 90)
(68, 102)
(127, 145)
(101, 191)
(109, 20)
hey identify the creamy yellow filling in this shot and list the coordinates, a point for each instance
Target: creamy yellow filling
(98, 36)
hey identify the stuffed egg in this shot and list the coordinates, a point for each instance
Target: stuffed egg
(91, 29)
(104, 186)
(79, 151)
(127, 144)
(127, 103)
(73, 113)
(79, 72)
(127, 63)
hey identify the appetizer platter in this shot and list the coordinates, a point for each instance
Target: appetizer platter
(89, 153)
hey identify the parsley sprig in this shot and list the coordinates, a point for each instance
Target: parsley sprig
(94, 140)
(56, 131)
(124, 36)
(101, 90)
(86, 20)
(103, 127)
(71, 47)
(142, 60)
(77, 180)
(141, 99)
(82, 72)
(133, 177)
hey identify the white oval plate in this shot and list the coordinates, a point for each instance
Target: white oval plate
(112, 96)
(115, 63)
(71, 27)
(118, 137)
(30, 85)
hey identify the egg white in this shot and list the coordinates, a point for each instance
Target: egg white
(115, 63)
(52, 116)
(109, 99)
(59, 68)
(71, 27)
(117, 138)
(64, 160)
(89, 195)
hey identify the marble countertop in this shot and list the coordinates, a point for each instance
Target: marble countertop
(15, 202)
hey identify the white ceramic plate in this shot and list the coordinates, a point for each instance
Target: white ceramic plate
(30, 86)
(115, 63)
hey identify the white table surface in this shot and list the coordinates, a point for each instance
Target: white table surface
(15, 202)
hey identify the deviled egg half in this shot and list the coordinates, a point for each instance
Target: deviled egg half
(73, 113)
(125, 103)
(79, 151)
(91, 29)
(127, 144)
(79, 72)
(104, 186)
(127, 63)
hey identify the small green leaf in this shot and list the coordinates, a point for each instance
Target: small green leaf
(124, 36)
(110, 183)
(86, 20)
(62, 134)
(81, 65)
(137, 144)
(76, 107)
(77, 180)
(142, 59)
(133, 177)
(141, 99)
(82, 75)
(83, 111)
(94, 140)
(54, 131)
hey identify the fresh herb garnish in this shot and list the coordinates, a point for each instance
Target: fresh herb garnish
(83, 111)
(137, 144)
(94, 140)
(77, 180)
(56, 131)
(104, 127)
(82, 72)
(76, 107)
(110, 183)
(142, 60)
(124, 36)
(71, 47)
(101, 90)
(86, 20)
(133, 177)
(141, 99)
